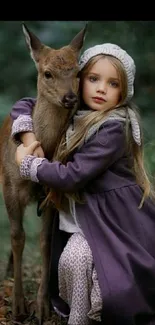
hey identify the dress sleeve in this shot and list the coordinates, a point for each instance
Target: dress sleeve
(21, 116)
(91, 160)
(23, 106)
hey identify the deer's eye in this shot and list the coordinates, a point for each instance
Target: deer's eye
(48, 75)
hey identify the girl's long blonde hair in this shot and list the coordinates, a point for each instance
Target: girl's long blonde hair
(64, 150)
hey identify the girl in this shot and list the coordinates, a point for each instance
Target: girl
(107, 268)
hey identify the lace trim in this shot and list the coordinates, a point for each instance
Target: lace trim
(23, 123)
(28, 167)
(33, 168)
(25, 166)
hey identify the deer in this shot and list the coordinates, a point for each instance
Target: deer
(56, 101)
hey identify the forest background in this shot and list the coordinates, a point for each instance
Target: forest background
(18, 79)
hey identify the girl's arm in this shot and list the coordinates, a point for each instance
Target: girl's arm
(23, 106)
(22, 127)
(91, 160)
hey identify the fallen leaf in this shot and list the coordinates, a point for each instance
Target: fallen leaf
(3, 321)
(2, 302)
(3, 311)
(8, 291)
(7, 301)
(8, 282)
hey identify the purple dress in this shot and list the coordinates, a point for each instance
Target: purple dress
(121, 236)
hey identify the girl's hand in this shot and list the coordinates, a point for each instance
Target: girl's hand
(29, 137)
(22, 151)
(38, 152)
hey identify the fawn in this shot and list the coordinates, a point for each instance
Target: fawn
(57, 93)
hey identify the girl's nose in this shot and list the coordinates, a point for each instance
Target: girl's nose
(102, 88)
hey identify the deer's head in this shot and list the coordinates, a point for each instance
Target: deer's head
(57, 69)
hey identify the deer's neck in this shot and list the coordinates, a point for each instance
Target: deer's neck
(49, 120)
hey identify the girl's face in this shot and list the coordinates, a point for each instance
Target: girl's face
(101, 86)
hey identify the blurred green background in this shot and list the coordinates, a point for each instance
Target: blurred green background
(18, 79)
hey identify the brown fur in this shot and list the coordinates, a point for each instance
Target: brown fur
(50, 116)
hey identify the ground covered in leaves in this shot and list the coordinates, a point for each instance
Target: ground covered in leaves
(31, 280)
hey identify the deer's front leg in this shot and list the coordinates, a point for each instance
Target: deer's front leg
(17, 242)
(15, 212)
(9, 270)
(43, 303)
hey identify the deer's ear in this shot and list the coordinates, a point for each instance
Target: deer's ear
(78, 40)
(33, 43)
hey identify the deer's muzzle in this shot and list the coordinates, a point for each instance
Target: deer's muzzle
(69, 100)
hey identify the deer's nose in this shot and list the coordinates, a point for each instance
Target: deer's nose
(69, 100)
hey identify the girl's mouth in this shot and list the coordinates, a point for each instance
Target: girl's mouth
(99, 99)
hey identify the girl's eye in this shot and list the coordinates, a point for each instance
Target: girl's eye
(114, 84)
(93, 78)
(48, 75)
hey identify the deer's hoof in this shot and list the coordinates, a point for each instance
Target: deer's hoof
(43, 311)
(19, 310)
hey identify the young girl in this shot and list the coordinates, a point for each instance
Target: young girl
(107, 268)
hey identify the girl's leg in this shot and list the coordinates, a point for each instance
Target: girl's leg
(96, 299)
(75, 279)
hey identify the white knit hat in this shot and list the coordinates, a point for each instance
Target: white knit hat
(120, 54)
